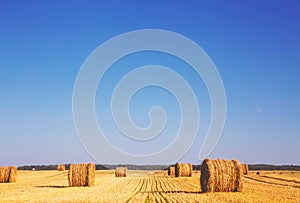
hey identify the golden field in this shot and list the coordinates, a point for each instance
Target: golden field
(147, 186)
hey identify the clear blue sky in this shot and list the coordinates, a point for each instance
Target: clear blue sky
(255, 46)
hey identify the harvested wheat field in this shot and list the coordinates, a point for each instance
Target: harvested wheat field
(148, 186)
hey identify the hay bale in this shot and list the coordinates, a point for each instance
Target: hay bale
(183, 169)
(61, 167)
(171, 171)
(13, 174)
(120, 172)
(8, 174)
(245, 169)
(81, 175)
(221, 176)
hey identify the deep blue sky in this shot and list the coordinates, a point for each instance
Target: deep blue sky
(255, 46)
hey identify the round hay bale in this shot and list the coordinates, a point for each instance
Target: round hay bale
(120, 171)
(171, 171)
(221, 176)
(183, 169)
(81, 175)
(91, 173)
(245, 169)
(257, 173)
(61, 167)
(8, 174)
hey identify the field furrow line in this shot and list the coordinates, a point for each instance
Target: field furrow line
(160, 188)
(173, 195)
(150, 190)
(141, 194)
(185, 186)
(272, 183)
(157, 191)
(167, 189)
(139, 188)
(164, 188)
(281, 179)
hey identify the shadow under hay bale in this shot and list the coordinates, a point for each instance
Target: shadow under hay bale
(120, 172)
(61, 167)
(221, 176)
(8, 174)
(81, 175)
(171, 171)
(245, 169)
(183, 170)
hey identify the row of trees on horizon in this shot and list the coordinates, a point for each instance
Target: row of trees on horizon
(159, 167)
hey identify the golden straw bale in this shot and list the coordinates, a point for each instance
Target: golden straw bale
(245, 169)
(171, 171)
(183, 169)
(61, 167)
(120, 172)
(8, 174)
(221, 176)
(81, 175)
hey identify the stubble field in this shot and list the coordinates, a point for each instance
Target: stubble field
(147, 186)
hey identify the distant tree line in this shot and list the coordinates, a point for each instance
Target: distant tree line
(138, 167)
(38, 167)
(273, 167)
(98, 167)
(159, 167)
(54, 167)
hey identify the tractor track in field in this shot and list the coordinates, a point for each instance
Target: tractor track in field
(141, 187)
(163, 190)
(281, 179)
(272, 183)
(160, 190)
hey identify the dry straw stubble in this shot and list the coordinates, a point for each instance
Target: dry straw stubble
(8, 174)
(183, 169)
(221, 176)
(120, 171)
(81, 175)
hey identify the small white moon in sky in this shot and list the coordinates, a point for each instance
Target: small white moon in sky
(258, 109)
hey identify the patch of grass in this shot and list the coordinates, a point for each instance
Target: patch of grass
(147, 200)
